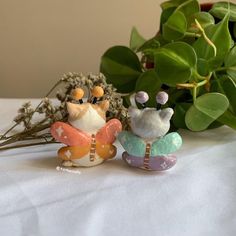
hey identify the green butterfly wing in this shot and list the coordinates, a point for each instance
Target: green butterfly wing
(166, 145)
(134, 145)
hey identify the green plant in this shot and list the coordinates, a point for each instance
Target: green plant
(192, 58)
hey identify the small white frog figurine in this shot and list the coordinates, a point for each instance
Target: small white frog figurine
(148, 146)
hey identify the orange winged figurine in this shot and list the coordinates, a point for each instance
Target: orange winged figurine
(87, 136)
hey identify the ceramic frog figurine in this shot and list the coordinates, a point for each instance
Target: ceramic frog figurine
(87, 135)
(148, 146)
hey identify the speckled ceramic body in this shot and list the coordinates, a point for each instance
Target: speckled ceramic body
(159, 158)
(150, 123)
(136, 146)
(159, 163)
(148, 146)
(87, 136)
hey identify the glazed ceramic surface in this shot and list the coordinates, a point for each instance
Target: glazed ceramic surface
(147, 145)
(87, 136)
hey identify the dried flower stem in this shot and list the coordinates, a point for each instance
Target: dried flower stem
(47, 95)
(26, 145)
(9, 130)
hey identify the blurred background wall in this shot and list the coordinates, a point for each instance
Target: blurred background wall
(42, 39)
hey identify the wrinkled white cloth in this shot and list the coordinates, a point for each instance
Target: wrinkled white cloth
(197, 197)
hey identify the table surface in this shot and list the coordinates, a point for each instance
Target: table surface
(195, 198)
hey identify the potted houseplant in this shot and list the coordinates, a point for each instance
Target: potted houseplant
(192, 58)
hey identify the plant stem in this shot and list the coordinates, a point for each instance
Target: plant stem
(193, 86)
(36, 125)
(205, 37)
(38, 137)
(27, 145)
(197, 76)
(9, 141)
(202, 83)
(185, 86)
(190, 34)
(20, 136)
(194, 94)
(4, 135)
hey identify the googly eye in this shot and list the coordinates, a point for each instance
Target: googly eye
(78, 94)
(162, 97)
(141, 97)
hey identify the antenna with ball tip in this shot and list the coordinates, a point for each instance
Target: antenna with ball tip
(142, 97)
(161, 99)
(97, 92)
(78, 94)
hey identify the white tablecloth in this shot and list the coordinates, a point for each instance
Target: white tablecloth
(195, 198)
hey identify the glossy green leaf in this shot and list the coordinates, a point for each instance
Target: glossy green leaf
(229, 87)
(150, 83)
(136, 39)
(216, 85)
(203, 67)
(175, 27)
(221, 9)
(215, 124)
(225, 85)
(219, 34)
(166, 13)
(161, 40)
(188, 8)
(215, 62)
(206, 109)
(173, 23)
(121, 67)
(232, 43)
(174, 63)
(150, 44)
(228, 119)
(172, 3)
(178, 118)
(230, 63)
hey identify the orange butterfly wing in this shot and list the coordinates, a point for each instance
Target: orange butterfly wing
(107, 134)
(69, 135)
(105, 151)
(73, 152)
(79, 142)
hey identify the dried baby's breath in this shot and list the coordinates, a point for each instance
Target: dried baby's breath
(36, 121)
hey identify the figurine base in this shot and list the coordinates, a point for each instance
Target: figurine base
(159, 163)
(82, 163)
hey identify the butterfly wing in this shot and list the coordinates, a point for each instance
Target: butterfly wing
(73, 152)
(108, 133)
(134, 145)
(105, 151)
(69, 135)
(166, 145)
